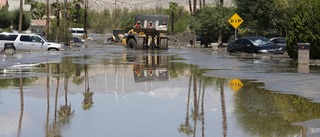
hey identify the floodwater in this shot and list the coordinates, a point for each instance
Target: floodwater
(106, 90)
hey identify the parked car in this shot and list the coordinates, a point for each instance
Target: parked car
(27, 42)
(280, 41)
(254, 45)
(75, 40)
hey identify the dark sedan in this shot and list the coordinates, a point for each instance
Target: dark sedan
(254, 45)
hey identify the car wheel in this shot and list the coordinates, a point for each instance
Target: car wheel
(53, 49)
(131, 44)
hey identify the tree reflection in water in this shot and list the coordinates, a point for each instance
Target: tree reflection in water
(21, 104)
(198, 95)
(54, 128)
(65, 113)
(265, 113)
(87, 101)
(48, 100)
(186, 127)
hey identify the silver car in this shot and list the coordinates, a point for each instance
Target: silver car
(27, 42)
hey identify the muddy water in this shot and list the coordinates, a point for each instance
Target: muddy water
(109, 91)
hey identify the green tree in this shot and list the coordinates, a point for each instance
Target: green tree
(172, 7)
(26, 19)
(304, 27)
(100, 20)
(74, 17)
(256, 15)
(38, 11)
(64, 34)
(5, 18)
(54, 9)
(180, 18)
(211, 20)
(78, 7)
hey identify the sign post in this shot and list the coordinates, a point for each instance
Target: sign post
(235, 21)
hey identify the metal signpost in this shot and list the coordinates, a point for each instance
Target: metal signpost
(235, 21)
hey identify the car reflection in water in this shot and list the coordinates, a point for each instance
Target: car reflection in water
(147, 67)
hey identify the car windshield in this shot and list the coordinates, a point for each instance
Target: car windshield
(282, 40)
(259, 41)
(44, 39)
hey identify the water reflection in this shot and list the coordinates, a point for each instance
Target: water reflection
(196, 105)
(264, 113)
(198, 111)
(21, 105)
(87, 101)
(150, 66)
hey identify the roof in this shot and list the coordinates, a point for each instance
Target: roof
(3, 3)
(38, 22)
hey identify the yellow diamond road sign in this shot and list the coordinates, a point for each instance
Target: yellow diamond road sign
(235, 84)
(235, 20)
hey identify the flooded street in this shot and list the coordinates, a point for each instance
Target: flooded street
(107, 90)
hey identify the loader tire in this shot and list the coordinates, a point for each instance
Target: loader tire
(132, 44)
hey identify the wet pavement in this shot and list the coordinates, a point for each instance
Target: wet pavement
(105, 90)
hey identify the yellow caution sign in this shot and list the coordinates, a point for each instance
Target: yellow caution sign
(235, 84)
(235, 20)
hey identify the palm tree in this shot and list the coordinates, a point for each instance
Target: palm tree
(58, 21)
(39, 11)
(20, 16)
(78, 7)
(194, 7)
(173, 6)
(47, 22)
(194, 15)
(220, 33)
(85, 19)
(190, 7)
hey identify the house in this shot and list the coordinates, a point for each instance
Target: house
(3, 3)
(15, 4)
(37, 26)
